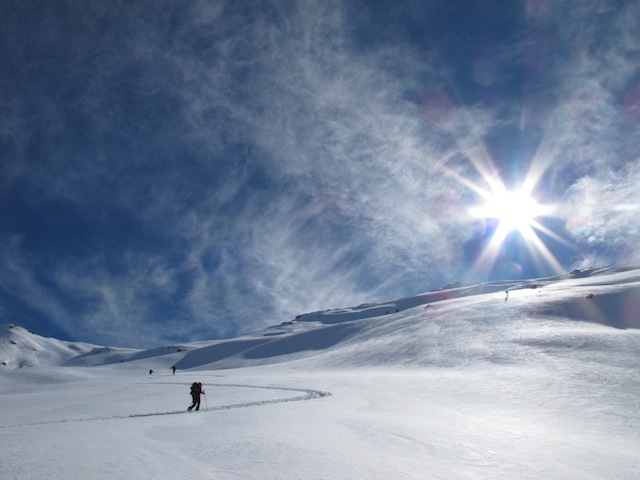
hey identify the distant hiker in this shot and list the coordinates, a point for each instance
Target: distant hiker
(174, 369)
(507, 297)
(150, 372)
(196, 391)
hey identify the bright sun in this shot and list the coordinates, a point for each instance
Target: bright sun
(514, 210)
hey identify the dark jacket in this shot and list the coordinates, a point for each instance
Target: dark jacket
(196, 390)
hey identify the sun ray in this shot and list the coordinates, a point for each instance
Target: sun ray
(514, 210)
(489, 255)
(464, 181)
(481, 160)
(539, 250)
(538, 226)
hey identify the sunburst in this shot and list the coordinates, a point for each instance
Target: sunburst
(514, 210)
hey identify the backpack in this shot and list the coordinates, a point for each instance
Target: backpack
(195, 388)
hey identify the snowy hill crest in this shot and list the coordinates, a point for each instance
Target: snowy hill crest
(21, 348)
(421, 329)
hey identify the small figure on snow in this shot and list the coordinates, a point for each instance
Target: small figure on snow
(507, 297)
(196, 391)
(150, 372)
(173, 369)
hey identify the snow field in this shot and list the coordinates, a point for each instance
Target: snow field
(544, 385)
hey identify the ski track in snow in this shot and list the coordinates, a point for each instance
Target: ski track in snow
(308, 394)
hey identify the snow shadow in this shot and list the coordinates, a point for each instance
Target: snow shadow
(317, 339)
(617, 310)
(214, 353)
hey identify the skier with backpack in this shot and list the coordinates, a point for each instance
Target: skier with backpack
(196, 391)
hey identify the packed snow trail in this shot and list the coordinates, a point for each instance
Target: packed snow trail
(308, 394)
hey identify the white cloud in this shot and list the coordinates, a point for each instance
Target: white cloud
(269, 166)
(605, 215)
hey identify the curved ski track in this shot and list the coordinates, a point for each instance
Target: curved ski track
(307, 394)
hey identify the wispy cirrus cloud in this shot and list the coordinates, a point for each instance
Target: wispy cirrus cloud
(221, 167)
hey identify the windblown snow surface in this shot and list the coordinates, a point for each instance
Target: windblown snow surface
(459, 383)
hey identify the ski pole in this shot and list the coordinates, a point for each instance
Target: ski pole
(206, 407)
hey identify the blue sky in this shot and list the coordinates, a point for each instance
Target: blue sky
(174, 171)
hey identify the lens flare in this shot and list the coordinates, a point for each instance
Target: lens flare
(515, 211)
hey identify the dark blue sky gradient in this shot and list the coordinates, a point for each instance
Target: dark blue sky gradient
(174, 171)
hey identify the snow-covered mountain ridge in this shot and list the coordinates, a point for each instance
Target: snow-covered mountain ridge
(420, 328)
(21, 348)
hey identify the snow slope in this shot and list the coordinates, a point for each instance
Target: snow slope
(20, 348)
(467, 382)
